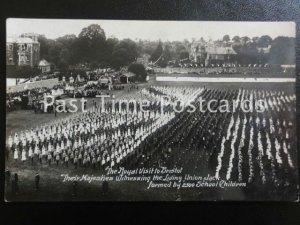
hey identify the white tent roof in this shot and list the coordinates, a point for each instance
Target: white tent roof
(44, 62)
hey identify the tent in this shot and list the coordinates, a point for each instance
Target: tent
(124, 78)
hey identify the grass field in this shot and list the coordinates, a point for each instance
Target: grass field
(53, 189)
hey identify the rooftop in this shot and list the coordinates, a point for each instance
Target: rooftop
(220, 50)
(44, 62)
(20, 40)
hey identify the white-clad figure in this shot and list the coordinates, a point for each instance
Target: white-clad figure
(58, 149)
(30, 152)
(92, 141)
(49, 147)
(10, 141)
(23, 156)
(98, 159)
(112, 164)
(16, 156)
(16, 139)
(44, 153)
(36, 149)
(103, 162)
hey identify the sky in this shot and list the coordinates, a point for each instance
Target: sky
(151, 30)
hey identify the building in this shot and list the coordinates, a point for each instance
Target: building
(144, 59)
(125, 77)
(44, 66)
(23, 50)
(220, 55)
(207, 54)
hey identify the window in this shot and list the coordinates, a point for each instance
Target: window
(22, 58)
(24, 47)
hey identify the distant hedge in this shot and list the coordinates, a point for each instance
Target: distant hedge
(21, 72)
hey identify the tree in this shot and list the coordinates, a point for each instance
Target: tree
(245, 39)
(236, 39)
(90, 48)
(146, 47)
(179, 48)
(124, 53)
(92, 32)
(167, 54)
(157, 53)
(264, 41)
(255, 39)
(54, 52)
(45, 45)
(91, 44)
(184, 55)
(67, 55)
(67, 40)
(247, 53)
(59, 51)
(282, 51)
(139, 71)
(226, 38)
(110, 45)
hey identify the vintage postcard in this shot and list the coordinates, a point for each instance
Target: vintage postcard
(117, 110)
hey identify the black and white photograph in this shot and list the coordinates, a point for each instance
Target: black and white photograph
(141, 110)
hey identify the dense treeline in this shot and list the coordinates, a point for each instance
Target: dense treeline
(93, 49)
(280, 50)
(90, 48)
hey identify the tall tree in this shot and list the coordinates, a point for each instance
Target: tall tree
(245, 39)
(226, 38)
(91, 44)
(124, 53)
(157, 53)
(283, 51)
(255, 39)
(184, 55)
(264, 41)
(139, 71)
(236, 39)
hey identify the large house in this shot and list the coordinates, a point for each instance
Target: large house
(23, 50)
(206, 54)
